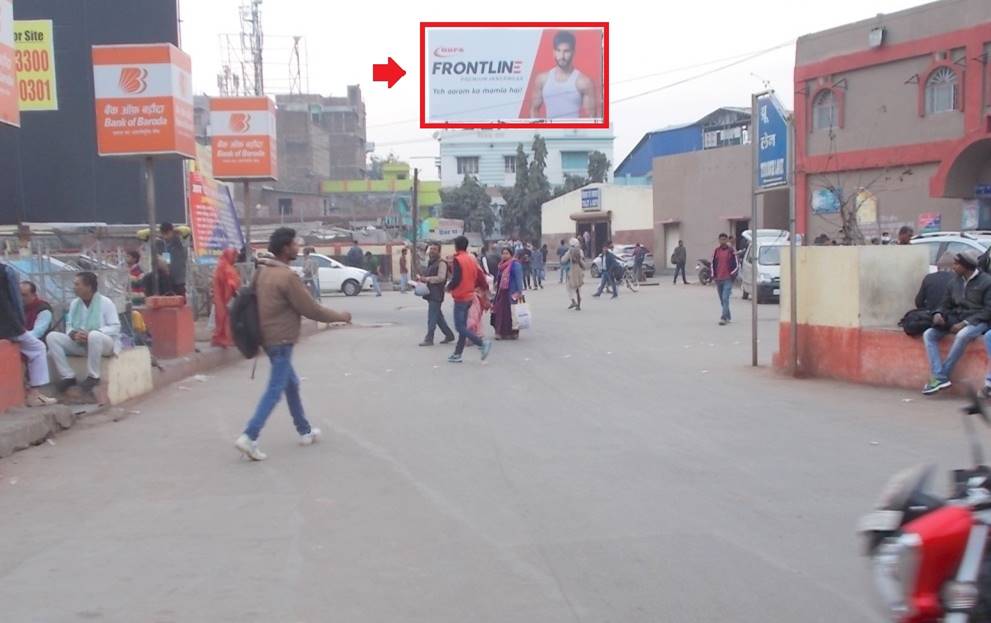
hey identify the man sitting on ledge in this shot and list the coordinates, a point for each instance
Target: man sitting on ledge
(92, 331)
(964, 312)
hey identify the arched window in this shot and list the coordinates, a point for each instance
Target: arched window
(942, 91)
(824, 111)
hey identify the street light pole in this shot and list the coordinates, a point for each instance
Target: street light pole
(415, 203)
(754, 142)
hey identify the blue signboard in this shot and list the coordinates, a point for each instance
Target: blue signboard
(772, 143)
(591, 199)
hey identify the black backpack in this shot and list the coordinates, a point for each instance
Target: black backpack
(244, 321)
(916, 322)
(984, 262)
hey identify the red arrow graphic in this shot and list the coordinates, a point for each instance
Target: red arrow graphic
(389, 72)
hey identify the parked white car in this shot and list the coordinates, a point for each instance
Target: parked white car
(940, 242)
(336, 277)
(768, 270)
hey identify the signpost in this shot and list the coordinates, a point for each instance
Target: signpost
(144, 108)
(9, 111)
(772, 170)
(243, 145)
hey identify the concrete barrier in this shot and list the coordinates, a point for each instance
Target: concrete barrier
(123, 377)
(850, 300)
(11, 376)
(170, 323)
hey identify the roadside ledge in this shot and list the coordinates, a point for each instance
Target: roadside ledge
(24, 427)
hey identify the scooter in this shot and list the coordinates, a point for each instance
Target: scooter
(929, 555)
(704, 269)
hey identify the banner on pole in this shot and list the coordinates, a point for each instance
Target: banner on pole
(213, 217)
(9, 112)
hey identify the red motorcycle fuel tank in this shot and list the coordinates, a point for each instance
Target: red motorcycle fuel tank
(943, 536)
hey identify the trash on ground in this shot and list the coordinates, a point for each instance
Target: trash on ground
(201, 378)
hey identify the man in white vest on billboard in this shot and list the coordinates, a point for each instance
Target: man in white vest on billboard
(565, 92)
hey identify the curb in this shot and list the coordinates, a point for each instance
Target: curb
(23, 427)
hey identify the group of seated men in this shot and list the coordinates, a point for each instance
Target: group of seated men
(92, 330)
(959, 297)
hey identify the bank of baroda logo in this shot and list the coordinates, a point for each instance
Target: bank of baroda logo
(240, 122)
(133, 80)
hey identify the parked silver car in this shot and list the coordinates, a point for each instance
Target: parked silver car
(625, 253)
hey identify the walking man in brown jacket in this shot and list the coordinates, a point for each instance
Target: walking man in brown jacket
(282, 301)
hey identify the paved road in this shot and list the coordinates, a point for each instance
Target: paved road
(621, 464)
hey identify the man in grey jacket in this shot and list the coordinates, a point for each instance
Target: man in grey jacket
(965, 313)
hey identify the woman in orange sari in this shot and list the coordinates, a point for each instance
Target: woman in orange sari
(226, 281)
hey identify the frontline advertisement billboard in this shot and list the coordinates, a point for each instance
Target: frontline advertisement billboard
(528, 74)
(9, 111)
(144, 100)
(242, 138)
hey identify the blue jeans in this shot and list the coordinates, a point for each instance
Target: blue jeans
(282, 379)
(938, 368)
(565, 270)
(724, 289)
(435, 318)
(607, 279)
(313, 285)
(461, 325)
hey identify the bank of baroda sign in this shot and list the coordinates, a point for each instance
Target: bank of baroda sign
(242, 138)
(144, 100)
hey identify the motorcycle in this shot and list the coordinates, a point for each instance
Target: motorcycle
(929, 555)
(704, 269)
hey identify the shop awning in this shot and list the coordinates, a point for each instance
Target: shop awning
(587, 217)
(669, 221)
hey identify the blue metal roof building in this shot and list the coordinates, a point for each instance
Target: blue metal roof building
(722, 127)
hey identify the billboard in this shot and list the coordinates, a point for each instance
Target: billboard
(144, 100)
(9, 112)
(35, 64)
(523, 74)
(242, 138)
(212, 217)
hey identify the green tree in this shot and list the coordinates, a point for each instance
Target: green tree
(538, 190)
(469, 203)
(598, 167)
(571, 182)
(513, 214)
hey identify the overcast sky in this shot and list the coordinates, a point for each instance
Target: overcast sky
(343, 44)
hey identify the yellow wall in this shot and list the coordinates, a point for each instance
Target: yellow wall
(868, 286)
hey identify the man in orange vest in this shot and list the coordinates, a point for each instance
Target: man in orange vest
(466, 276)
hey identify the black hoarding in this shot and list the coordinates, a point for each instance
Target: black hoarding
(49, 168)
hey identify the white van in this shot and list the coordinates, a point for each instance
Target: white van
(768, 270)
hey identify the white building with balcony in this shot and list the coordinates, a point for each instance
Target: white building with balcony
(490, 155)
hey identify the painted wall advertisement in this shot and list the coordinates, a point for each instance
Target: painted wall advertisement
(34, 61)
(825, 201)
(866, 207)
(242, 138)
(9, 111)
(929, 222)
(506, 74)
(213, 216)
(144, 100)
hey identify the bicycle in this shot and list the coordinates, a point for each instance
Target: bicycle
(628, 278)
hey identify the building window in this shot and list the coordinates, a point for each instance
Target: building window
(824, 111)
(468, 165)
(285, 206)
(942, 91)
(572, 161)
(509, 164)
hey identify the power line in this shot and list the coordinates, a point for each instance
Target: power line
(737, 60)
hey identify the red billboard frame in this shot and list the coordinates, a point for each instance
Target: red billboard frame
(576, 125)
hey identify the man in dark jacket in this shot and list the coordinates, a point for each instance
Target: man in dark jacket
(13, 328)
(610, 264)
(934, 285)
(435, 277)
(679, 258)
(965, 312)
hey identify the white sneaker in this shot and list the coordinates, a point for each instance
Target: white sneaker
(310, 438)
(249, 448)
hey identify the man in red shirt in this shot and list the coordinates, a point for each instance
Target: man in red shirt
(466, 276)
(724, 269)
